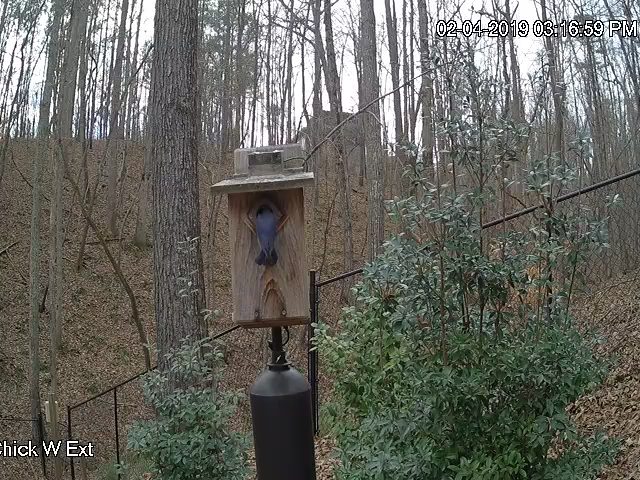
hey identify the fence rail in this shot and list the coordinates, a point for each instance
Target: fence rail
(315, 286)
(315, 300)
(114, 391)
(39, 422)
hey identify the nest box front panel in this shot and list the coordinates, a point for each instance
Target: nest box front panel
(269, 272)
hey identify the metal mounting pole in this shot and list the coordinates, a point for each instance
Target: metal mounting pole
(312, 354)
(115, 416)
(282, 419)
(278, 356)
(69, 437)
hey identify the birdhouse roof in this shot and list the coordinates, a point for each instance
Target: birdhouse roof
(258, 183)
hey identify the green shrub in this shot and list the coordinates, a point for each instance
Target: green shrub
(492, 412)
(190, 437)
(132, 467)
(457, 364)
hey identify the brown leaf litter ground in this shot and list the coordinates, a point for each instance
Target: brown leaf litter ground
(100, 344)
(101, 347)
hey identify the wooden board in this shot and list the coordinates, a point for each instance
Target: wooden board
(290, 156)
(264, 183)
(266, 296)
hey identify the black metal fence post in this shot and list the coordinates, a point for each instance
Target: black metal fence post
(42, 457)
(69, 437)
(312, 353)
(115, 416)
(315, 286)
(115, 409)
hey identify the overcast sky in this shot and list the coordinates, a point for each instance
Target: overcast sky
(527, 47)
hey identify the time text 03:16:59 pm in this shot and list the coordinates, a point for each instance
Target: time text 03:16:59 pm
(538, 28)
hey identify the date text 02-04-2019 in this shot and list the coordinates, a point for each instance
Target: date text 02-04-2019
(538, 28)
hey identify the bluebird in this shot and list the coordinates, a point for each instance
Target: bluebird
(266, 229)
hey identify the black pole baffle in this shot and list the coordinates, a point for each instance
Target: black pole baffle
(282, 420)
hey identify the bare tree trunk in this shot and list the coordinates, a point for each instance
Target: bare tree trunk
(64, 136)
(81, 125)
(9, 120)
(557, 88)
(335, 101)
(412, 73)
(256, 88)
(287, 96)
(142, 237)
(13, 115)
(516, 89)
(3, 20)
(226, 93)
(268, 85)
(426, 93)
(392, 33)
(239, 79)
(405, 70)
(371, 119)
(175, 128)
(106, 81)
(358, 66)
(133, 99)
(115, 124)
(316, 105)
(55, 222)
(70, 67)
(7, 83)
(35, 253)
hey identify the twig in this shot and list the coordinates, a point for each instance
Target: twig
(359, 112)
(33, 470)
(116, 266)
(16, 268)
(326, 234)
(43, 305)
(107, 240)
(25, 178)
(6, 249)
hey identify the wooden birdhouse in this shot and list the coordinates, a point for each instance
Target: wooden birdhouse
(269, 275)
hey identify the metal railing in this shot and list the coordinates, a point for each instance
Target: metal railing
(619, 248)
(31, 421)
(620, 219)
(113, 392)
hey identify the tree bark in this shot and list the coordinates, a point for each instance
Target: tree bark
(332, 81)
(426, 94)
(392, 33)
(132, 131)
(115, 123)
(142, 236)
(175, 128)
(55, 222)
(373, 140)
(70, 67)
(316, 104)
(83, 68)
(36, 205)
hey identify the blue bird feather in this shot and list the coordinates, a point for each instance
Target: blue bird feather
(266, 230)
